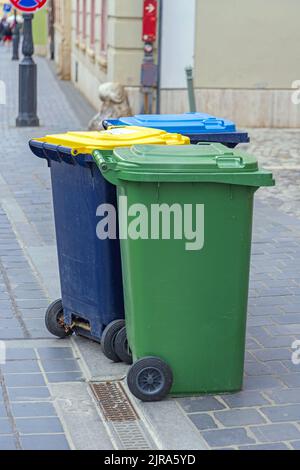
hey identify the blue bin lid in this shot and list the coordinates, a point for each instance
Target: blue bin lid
(186, 124)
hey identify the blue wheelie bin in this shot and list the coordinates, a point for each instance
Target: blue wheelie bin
(198, 127)
(92, 302)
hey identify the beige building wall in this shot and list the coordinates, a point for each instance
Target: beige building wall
(62, 35)
(121, 61)
(246, 57)
(247, 44)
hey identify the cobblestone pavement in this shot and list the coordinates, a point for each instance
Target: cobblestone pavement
(44, 399)
(267, 413)
(279, 150)
(28, 414)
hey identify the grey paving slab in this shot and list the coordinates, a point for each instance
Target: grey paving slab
(254, 368)
(55, 353)
(262, 383)
(20, 354)
(277, 368)
(39, 333)
(273, 354)
(276, 432)
(28, 394)
(285, 413)
(289, 319)
(285, 396)
(12, 333)
(230, 418)
(64, 377)
(10, 324)
(291, 380)
(276, 341)
(227, 437)
(292, 308)
(203, 421)
(69, 365)
(24, 380)
(28, 295)
(8, 313)
(5, 426)
(21, 367)
(32, 303)
(33, 314)
(194, 405)
(39, 426)
(48, 442)
(296, 445)
(29, 410)
(295, 368)
(7, 443)
(269, 447)
(284, 329)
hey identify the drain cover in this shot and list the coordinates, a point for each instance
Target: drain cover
(121, 417)
(114, 402)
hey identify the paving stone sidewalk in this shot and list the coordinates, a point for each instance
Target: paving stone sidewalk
(279, 151)
(44, 397)
(28, 412)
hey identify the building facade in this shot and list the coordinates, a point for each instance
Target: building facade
(106, 45)
(245, 54)
(61, 12)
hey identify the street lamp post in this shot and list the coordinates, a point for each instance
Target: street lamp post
(27, 79)
(16, 38)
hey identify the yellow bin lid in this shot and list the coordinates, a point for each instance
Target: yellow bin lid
(88, 142)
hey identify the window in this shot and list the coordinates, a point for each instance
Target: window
(78, 19)
(84, 13)
(104, 19)
(58, 12)
(93, 22)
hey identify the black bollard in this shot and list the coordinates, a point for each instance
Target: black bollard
(27, 80)
(16, 39)
(191, 90)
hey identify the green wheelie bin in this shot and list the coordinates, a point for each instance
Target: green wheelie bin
(185, 228)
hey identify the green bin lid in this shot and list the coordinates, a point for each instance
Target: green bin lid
(189, 163)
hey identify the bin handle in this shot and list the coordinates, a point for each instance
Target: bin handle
(219, 122)
(102, 161)
(230, 162)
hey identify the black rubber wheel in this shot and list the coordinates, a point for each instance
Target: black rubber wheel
(54, 320)
(122, 348)
(150, 379)
(108, 339)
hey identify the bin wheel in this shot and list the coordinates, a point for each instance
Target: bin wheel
(108, 339)
(122, 348)
(150, 379)
(54, 320)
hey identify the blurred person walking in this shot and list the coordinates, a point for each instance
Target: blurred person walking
(6, 28)
(3, 23)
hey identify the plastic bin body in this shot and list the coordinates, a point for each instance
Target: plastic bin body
(189, 308)
(90, 268)
(198, 127)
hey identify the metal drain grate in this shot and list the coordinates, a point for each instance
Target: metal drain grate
(114, 402)
(132, 436)
(121, 417)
